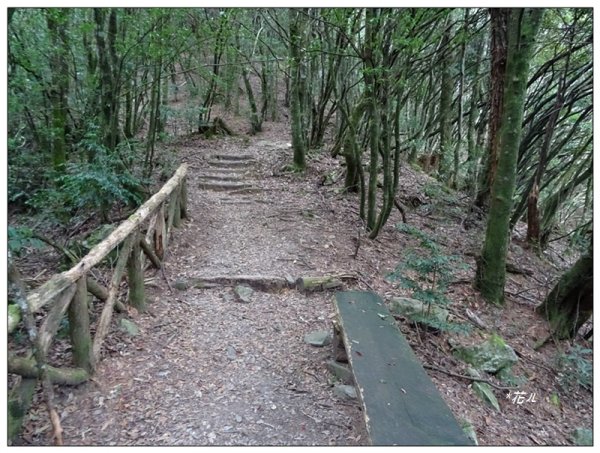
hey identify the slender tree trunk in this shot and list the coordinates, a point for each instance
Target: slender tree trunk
(499, 46)
(57, 21)
(255, 119)
(298, 134)
(491, 268)
(445, 109)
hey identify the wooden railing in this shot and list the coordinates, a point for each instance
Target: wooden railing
(143, 240)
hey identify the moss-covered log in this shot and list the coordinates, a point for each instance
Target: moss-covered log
(28, 368)
(570, 303)
(310, 284)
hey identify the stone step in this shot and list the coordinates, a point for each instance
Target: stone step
(236, 157)
(225, 186)
(225, 177)
(230, 163)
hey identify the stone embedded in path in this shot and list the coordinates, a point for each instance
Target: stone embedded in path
(244, 293)
(129, 327)
(233, 156)
(181, 285)
(220, 186)
(341, 372)
(231, 353)
(347, 392)
(230, 163)
(318, 338)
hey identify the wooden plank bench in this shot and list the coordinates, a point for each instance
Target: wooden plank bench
(401, 404)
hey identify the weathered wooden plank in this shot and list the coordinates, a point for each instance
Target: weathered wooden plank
(402, 406)
(45, 293)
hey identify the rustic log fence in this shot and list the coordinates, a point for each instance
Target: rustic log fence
(143, 239)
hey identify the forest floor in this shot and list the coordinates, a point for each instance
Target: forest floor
(207, 369)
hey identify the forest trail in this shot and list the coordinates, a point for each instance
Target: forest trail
(206, 368)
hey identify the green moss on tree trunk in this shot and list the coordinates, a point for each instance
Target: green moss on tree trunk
(491, 269)
(570, 303)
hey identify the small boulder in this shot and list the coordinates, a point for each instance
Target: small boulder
(341, 372)
(416, 310)
(492, 356)
(129, 327)
(582, 436)
(244, 293)
(181, 285)
(318, 338)
(346, 392)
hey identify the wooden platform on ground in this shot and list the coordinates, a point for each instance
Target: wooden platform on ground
(401, 404)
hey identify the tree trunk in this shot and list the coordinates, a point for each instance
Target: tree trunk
(57, 21)
(570, 303)
(445, 108)
(255, 119)
(491, 267)
(296, 111)
(499, 46)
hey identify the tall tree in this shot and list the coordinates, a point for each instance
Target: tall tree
(499, 49)
(491, 268)
(296, 33)
(58, 24)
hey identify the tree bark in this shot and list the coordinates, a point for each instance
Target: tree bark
(57, 21)
(499, 46)
(28, 369)
(491, 267)
(296, 111)
(79, 323)
(570, 303)
(135, 274)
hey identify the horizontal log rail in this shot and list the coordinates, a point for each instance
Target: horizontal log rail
(143, 239)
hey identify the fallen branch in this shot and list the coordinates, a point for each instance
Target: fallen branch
(462, 376)
(401, 209)
(150, 253)
(27, 368)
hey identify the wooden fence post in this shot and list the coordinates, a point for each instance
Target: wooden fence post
(135, 275)
(177, 209)
(183, 199)
(106, 315)
(160, 233)
(79, 323)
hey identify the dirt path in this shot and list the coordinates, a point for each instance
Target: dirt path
(207, 369)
